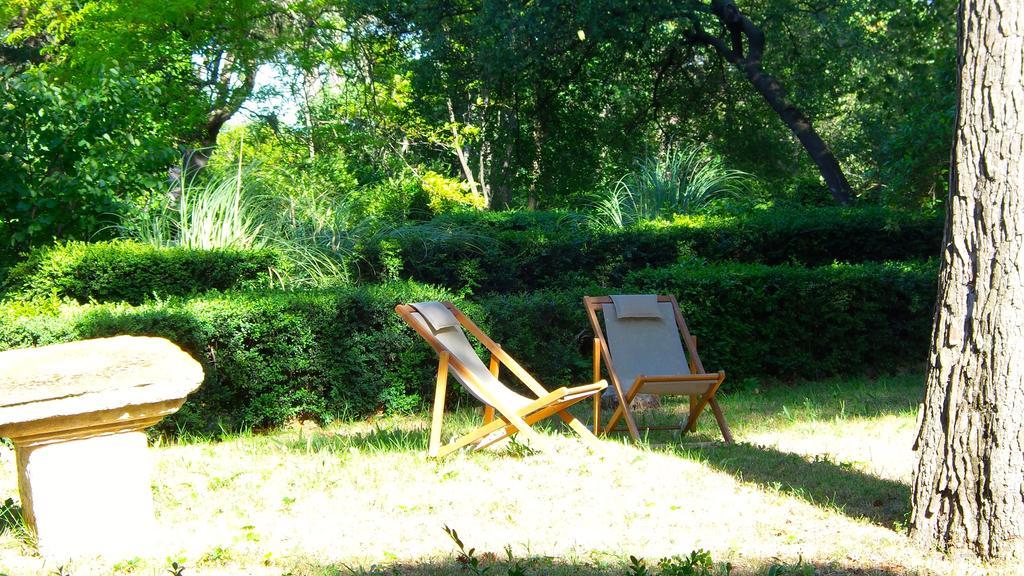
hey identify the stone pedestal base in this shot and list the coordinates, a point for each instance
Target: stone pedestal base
(88, 496)
(76, 413)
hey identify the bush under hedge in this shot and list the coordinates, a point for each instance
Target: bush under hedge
(491, 252)
(123, 271)
(494, 252)
(271, 356)
(791, 321)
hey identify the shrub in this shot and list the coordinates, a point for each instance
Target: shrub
(751, 320)
(790, 321)
(272, 356)
(268, 356)
(683, 180)
(518, 251)
(76, 157)
(130, 272)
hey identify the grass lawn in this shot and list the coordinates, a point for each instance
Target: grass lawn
(820, 475)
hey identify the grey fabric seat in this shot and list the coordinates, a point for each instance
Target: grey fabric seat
(506, 412)
(646, 347)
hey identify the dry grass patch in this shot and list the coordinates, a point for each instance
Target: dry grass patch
(820, 475)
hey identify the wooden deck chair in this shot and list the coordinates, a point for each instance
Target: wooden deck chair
(505, 411)
(641, 343)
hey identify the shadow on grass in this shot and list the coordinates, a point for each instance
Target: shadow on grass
(821, 481)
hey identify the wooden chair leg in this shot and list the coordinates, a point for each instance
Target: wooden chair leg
(475, 435)
(439, 393)
(522, 427)
(585, 435)
(691, 423)
(623, 411)
(597, 376)
(627, 412)
(720, 418)
(488, 409)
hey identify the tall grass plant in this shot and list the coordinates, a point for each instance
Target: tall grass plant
(684, 180)
(317, 233)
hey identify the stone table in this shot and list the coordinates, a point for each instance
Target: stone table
(76, 413)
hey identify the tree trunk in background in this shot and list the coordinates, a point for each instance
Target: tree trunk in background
(748, 60)
(968, 490)
(227, 101)
(772, 92)
(535, 166)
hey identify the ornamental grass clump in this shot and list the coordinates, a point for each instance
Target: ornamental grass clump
(683, 180)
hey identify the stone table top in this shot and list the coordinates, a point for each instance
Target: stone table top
(92, 376)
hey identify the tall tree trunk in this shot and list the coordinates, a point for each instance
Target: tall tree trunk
(748, 60)
(968, 490)
(460, 151)
(537, 131)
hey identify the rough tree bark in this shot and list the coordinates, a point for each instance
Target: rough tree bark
(968, 490)
(749, 61)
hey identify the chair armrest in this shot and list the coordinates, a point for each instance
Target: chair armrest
(678, 378)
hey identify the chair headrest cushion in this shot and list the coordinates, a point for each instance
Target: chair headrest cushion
(437, 315)
(636, 306)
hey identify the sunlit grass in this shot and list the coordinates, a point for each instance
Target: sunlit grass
(812, 478)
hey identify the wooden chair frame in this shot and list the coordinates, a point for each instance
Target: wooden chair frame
(496, 415)
(697, 377)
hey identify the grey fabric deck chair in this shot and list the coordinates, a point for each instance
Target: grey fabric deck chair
(506, 412)
(641, 341)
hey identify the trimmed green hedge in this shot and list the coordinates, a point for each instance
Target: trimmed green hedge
(123, 271)
(519, 251)
(750, 320)
(489, 252)
(790, 321)
(271, 356)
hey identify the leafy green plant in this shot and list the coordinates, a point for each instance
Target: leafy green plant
(698, 563)
(470, 562)
(13, 520)
(317, 234)
(272, 355)
(517, 449)
(268, 356)
(75, 158)
(467, 559)
(119, 270)
(211, 211)
(314, 231)
(680, 181)
(637, 567)
(488, 252)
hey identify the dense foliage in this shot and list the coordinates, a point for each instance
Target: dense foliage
(401, 150)
(493, 252)
(73, 160)
(515, 251)
(515, 104)
(121, 271)
(268, 356)
(273, 355)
